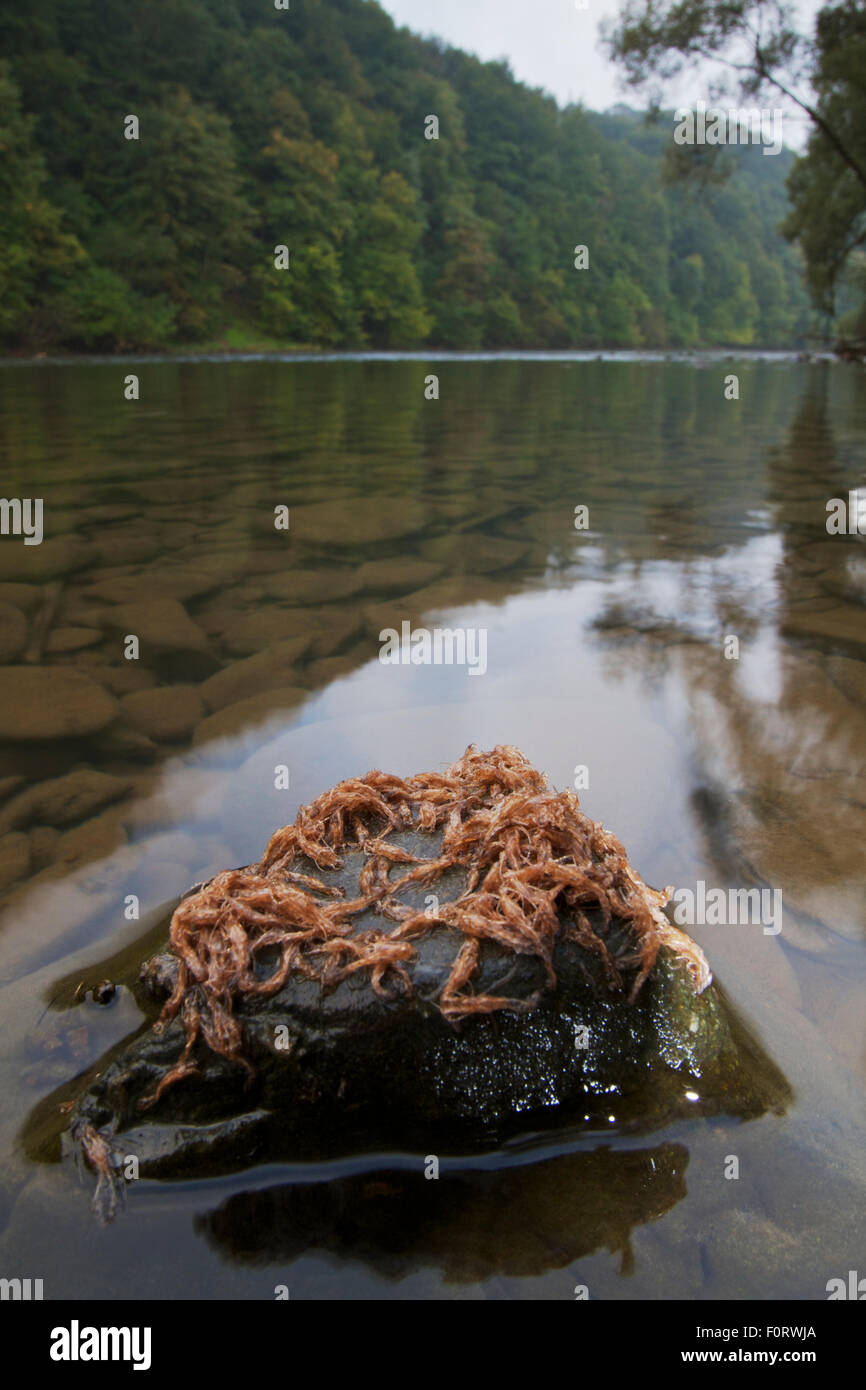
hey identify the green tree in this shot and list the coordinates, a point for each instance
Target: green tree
(760, 43)
(388, 292)
(828, 216)
(757, 40)
(302, 208)
(180, 225)
(460, 290)
(36, 254)
(260, 129)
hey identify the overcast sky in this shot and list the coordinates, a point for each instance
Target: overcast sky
(549, 43)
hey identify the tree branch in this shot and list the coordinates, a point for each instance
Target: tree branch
(826, 129)
(759, 66)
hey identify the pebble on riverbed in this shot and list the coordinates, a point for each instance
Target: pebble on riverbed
(46, 702)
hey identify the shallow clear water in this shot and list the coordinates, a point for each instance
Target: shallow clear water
(605, 649)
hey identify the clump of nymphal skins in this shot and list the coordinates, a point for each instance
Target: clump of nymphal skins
(535, 867)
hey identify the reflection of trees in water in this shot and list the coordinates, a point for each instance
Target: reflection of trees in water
(533, 429)
(802, 474)
(517, 1222)
(778, 752)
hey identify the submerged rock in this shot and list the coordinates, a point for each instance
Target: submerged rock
(14, 630)
(15, 858)
(63, 800)
(237, 718)
(161, 625)
(47, 702)
(431, 963)
(168, 714)
(273, 668)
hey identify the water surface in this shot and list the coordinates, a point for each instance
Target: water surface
(605, 651)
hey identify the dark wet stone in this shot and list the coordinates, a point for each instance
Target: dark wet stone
(349, 1069)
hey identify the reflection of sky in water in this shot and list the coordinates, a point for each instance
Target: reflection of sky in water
(692, 594)
(759, 668)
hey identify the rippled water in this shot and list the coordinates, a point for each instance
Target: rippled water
(605, 648)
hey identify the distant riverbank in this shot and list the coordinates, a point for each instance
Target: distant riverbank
(697, 356)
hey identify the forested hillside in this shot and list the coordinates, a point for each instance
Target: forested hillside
(305, 128)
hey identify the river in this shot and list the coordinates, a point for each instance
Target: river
(668, 625)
